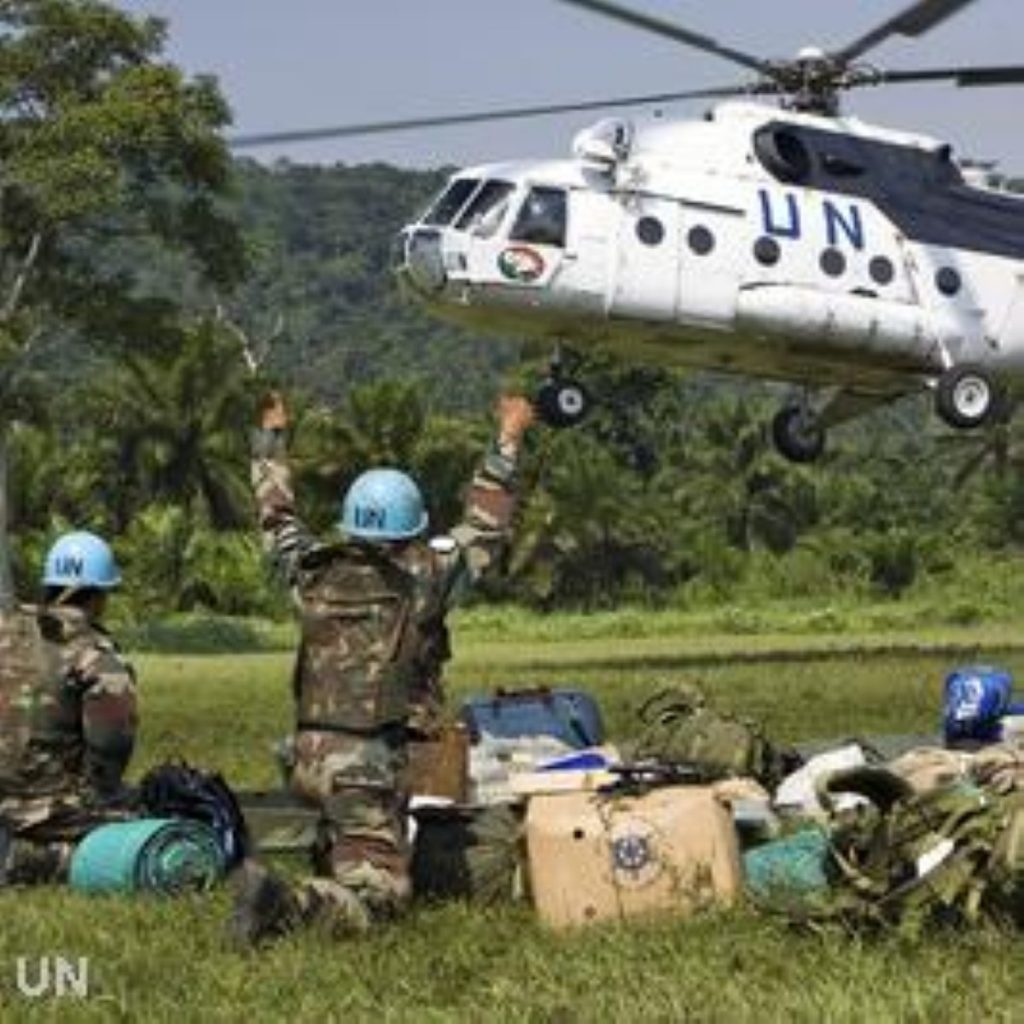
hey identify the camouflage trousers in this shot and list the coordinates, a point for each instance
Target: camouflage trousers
(42, 832)
(361, 857)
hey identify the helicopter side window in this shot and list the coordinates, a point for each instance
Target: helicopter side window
(542, 218)
(450, 201)
(485, 213)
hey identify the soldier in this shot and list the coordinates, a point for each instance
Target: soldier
(373, 640)
(67, 714)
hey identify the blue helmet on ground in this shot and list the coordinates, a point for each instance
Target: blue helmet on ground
(81, 559)
(975, 699)
(383, 504)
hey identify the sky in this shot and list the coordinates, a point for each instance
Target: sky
(313, 63)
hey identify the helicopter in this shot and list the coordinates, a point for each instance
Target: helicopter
(781, 240)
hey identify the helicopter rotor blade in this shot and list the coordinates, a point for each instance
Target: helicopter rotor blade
(964, 77)
(912, 21)
(508, 114)
(673, 31)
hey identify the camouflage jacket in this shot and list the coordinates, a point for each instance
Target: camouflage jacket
(372, 615)
(83, 717)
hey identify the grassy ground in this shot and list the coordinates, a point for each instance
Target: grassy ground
(166, 960)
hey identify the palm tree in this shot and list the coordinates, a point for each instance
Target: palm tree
(591, 526)
(176, 423)
(729, 474)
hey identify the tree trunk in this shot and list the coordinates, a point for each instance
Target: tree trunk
(7, 599)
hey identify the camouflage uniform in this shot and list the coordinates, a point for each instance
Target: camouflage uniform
(372, 649)
(65, 742)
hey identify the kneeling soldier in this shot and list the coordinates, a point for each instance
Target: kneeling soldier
(67, 714)
(372, 611)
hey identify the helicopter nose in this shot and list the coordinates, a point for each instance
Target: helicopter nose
(418, 260)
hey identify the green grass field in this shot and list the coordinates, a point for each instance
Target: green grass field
(164, 960)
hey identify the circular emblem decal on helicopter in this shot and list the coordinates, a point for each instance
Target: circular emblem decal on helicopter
(634, 851)
(521, 263)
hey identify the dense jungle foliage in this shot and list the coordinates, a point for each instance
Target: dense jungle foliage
(143, 311)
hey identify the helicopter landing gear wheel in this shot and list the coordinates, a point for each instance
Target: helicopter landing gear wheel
(966, 397)
(562, 402)
(798, 434)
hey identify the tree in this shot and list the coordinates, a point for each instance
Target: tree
(171, 428)
(592, 528)
(107, 157)
(323, 242)
(731, 477)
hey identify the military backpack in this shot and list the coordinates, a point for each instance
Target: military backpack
(680, 728)
(362, 639)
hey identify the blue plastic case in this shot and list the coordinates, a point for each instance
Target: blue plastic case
(567, 714)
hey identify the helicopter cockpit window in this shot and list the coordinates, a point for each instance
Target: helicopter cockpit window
(485, 213)
(450, 201)
(542, 218)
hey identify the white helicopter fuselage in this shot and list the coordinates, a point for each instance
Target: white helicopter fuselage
(789, 246)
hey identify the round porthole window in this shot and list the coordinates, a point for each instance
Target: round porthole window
(650, 230)
(766, 251)
(947, 280)
(881, 270)
(832, 262)
(700, 240)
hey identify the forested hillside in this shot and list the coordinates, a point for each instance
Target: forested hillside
(321, 240)
(669, 493)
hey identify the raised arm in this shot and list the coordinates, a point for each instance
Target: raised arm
(485, 529)
(285, 537)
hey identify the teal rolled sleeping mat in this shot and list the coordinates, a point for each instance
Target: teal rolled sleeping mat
(164, 855)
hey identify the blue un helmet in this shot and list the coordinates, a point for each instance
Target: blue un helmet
(81, 559)
(383, 504)
(975, 698)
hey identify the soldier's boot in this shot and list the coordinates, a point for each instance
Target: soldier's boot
(378, 876)
(29, 863)
(335, 908)
(265, 907)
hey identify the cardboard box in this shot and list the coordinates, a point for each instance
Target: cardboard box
(594, 856)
